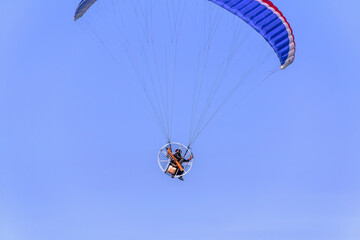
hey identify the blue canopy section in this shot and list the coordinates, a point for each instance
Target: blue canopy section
(84, 5)
(266, 19)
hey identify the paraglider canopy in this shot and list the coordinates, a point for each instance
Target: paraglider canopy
(83, 6)
(261, 15)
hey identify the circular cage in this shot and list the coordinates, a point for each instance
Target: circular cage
(164, 159)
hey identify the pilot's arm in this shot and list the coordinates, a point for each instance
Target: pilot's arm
(191, 157)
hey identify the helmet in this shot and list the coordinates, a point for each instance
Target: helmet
(178, 151)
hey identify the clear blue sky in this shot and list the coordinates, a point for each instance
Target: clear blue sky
(78, 147)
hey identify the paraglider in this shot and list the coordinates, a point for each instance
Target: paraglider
(176, 164)
(175, 167)
(156, 53)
